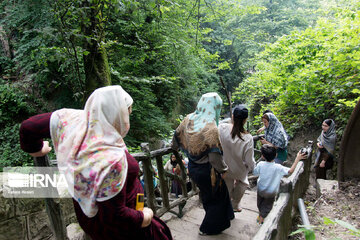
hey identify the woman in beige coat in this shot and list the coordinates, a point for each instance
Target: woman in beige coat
(238, 154)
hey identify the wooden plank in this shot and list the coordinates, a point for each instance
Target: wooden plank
(242, 227)
(249, 201)
(159, 152)
(184, 227)
(271, 223)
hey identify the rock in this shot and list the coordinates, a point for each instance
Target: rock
(39, 226)
(7, 208)
(75, 232)
(350, 195)
(14, 228)
(326, 186)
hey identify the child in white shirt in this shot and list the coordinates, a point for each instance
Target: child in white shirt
(270, 175)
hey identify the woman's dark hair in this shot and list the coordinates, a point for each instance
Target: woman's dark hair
(173, 163)
(267, 111)
(265, 116)
(240, 113)
(268, 152)
(172, 156)
(328, 122)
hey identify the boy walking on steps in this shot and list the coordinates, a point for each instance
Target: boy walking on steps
(270, 175)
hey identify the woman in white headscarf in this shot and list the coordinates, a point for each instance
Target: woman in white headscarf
(324, 158)
(198, 137)
(238, 147)
(102, 176)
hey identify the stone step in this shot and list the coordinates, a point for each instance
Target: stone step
(244, 225)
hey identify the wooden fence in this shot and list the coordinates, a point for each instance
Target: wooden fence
(163, 205)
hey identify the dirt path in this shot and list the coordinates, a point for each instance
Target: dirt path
(342, 204)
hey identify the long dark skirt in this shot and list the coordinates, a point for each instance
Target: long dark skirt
(321, 155)
(216, 201)
(176, 188)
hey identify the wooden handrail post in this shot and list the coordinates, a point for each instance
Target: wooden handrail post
(183, 173)
(145, 156)
(163, 184)
(53, 208)
(148, 177)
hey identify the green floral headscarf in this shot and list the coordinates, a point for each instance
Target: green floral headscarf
(207, 111)
(198, 134)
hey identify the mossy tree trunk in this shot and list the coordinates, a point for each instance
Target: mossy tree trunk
(5, 43)
(96, 65)
(97, 71)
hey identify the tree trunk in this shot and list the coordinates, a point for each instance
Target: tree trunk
(97, 71)
(96, 65)
(4, 43)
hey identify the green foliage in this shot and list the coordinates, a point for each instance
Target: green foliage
(167, 53)
(148, 119)
(352, 230)
(39, 52)
(10, 151)
(309, 76)
(157, 41)
(308, 231)
(13, 105)
(6, 65)
(235, 31)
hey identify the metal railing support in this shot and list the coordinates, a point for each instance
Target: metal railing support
(303, 214)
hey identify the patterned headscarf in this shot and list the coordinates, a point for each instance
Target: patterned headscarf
(275, 132)
(197, 134)
(328, 138)
(89, 146)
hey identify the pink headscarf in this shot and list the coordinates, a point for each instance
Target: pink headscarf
(89, 146)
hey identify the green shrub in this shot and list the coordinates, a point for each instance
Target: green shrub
(10, 151)
(308, 76)
(14, 105)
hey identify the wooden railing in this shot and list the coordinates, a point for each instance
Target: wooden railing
(165, 204)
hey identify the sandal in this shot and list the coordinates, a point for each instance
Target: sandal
(202, 233)
(258, 221)
(237, 210)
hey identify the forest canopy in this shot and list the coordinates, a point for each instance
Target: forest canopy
(299, 58)
(311, 75)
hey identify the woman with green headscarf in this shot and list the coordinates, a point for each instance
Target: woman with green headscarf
(198, 137)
